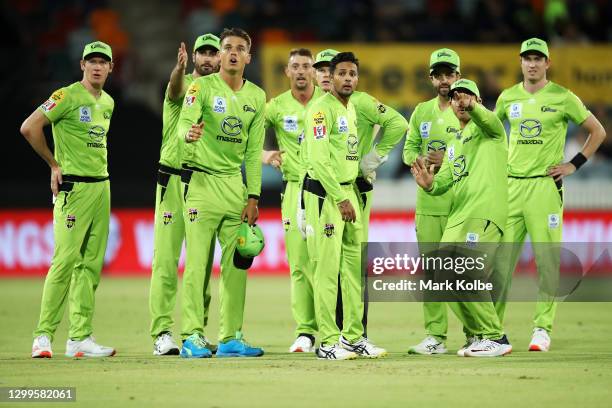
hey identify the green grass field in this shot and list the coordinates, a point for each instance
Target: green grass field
(577, 372)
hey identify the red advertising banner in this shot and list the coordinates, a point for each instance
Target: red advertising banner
(26, 239)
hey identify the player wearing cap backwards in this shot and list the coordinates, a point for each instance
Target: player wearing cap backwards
(370, 112)
(222, 123)
(334, 221)
(432, 125)
(538, 111)
(475, 169)
(169, 226)
(285, 115)
(80, 117)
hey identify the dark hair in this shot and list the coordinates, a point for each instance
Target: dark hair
(343, 57)
(235, 32)
(304, 52)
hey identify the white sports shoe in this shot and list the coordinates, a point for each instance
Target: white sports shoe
(363, 347)
(334, 352)
(41, 348)
(430, 345)
(468, 343)
(540, 340)
(87, 348)
(488, 348)
(303, 344)
(165, 345)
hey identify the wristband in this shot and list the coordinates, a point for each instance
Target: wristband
(578, 160)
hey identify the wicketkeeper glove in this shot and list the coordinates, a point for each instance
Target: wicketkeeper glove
(371, 162)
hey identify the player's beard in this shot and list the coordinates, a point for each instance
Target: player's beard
(301, 86)
(443, 91)
(345, 94)
(207, 69)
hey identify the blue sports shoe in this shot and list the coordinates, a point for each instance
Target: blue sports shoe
(238, 348)
(195, 346)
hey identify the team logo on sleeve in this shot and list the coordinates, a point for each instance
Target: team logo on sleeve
(516, 111)
(553, 221)
(328, 230)
(193, 214)
(219, 104)
(319, 132)
(57, 96)
(290, 123)
(189, 100)
(85, 114)
(70, 221)
(168, 217)
(381, 108)
(424, 129)
(48, 105)
(342, 124)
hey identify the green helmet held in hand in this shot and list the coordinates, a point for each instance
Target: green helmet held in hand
(249, 244)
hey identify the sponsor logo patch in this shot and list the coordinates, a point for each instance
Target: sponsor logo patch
(424, 128)
(319, 132)
(342, 124)
(381, 108)
(85, 114)
(451, 153)
(219, 104)
(459, 166)
(189, 100)
(530, 128)
(351, 144)
(516, 111)
(290, 123)
(231, 125)
(70, 221)
(48, 105)
(553, 221)
(318, 118)
(471, 239)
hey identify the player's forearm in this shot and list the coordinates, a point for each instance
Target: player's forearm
(412, 150)
(395, 129)
(487, 121)
(36, 139)
(443, 181)
(175, 86)
(597, 134)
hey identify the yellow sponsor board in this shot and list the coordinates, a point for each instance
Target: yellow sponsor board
(398, 74)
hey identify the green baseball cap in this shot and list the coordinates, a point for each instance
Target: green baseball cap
(534, 44)
(464, 85)
(98, 47)
(207, 39)
(249, 244)
(444, 56)
(325, 56)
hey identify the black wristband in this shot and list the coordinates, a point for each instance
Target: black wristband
(256, 197)
(578, 160)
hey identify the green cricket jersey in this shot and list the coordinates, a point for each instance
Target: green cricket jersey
(285, 115)
(430, 129)
(331, 145)
(538, 125)
(80, 125)
(476, 168)
(233, 128)
(172, 147)
(371, 112)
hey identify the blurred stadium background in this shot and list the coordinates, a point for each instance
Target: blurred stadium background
(43, 41)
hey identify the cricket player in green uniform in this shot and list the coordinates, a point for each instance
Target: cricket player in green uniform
(476, 170)
(80, 118)
(432, 125)
(333, 220)
(285, 115)
(222, 122)
(538, 111)
(370, 113)
(169, 226)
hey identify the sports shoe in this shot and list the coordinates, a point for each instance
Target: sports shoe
(540, 340)
(489, 348)
(195, 346)
(363, 348)
(334, 352)
(41, 348)
(303, 344)
(165, 346)
(212, 347)
(238, 348)
(468, 342)
(430, 345)
(87, 348)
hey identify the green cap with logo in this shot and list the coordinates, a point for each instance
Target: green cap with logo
(444, 56)
(209, 39)
(98, 47)
(534, 45)
(249, 244)
(464, 85)
(325, 56)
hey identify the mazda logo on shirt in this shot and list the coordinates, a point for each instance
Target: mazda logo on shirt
(436, 145)
(459, 166)
(530, 128)
(97, 133)
(231, 126)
